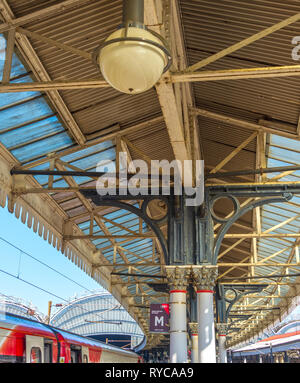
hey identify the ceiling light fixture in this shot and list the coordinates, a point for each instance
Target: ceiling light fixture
(133, 58)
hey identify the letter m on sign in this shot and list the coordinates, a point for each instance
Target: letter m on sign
(159, 318)
(159, 321)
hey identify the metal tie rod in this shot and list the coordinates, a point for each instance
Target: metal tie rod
(254, 171)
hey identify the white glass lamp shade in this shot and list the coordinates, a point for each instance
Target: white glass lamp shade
(132, 66)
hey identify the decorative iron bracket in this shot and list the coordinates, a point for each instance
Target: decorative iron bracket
(140, 212)
(226, 223)
(239, 291)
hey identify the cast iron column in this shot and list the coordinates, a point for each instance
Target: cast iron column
(194, 338)
(204, 277)
(178, 281)
(222, 330)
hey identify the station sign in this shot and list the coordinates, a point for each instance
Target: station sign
(159, 318)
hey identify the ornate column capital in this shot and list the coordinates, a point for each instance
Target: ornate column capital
(222, 328)
(204, 277)
(178, 277)
(193, 326)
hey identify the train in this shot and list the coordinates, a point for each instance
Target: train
(24, 340)
(285, 343)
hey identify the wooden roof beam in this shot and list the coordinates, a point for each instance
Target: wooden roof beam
(172, 102)
(241, 123)
(244, 43)
(236, 74)
(262, 235)
(41, 14)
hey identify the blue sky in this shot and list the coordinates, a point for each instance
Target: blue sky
(16, 263)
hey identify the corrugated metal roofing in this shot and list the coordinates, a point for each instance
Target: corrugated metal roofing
(31, 128)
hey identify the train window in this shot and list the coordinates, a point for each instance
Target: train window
(76, 354)
(48, 353)
(35, 355)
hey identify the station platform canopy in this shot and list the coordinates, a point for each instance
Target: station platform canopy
(287, 339)
(230, 98)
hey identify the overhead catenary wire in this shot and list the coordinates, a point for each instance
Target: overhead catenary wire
(44, 264)
(49, 292)
(51, 268)
(33, 285)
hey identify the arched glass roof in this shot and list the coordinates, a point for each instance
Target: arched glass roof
(98, 314)
(15, 306)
